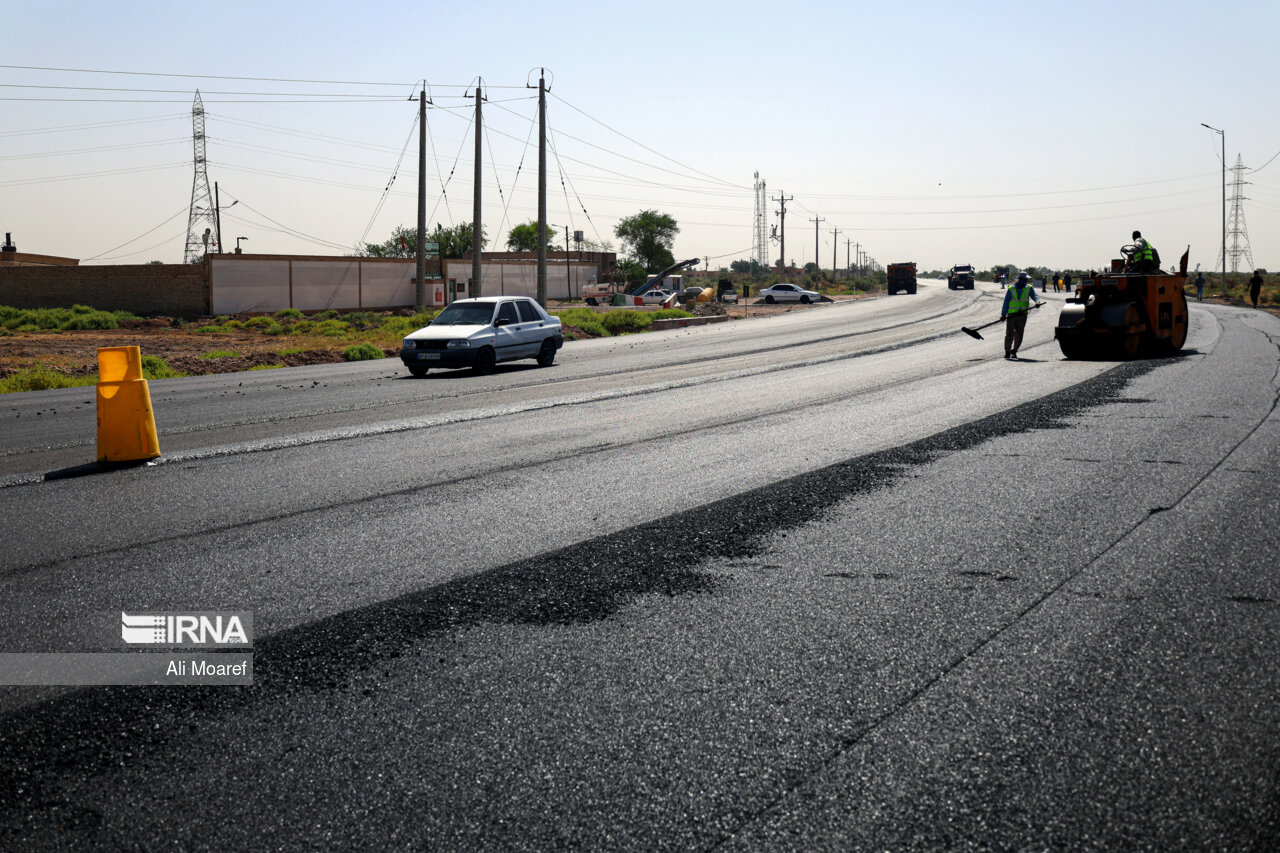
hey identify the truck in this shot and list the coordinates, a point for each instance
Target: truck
(960, 277)
(901, 277)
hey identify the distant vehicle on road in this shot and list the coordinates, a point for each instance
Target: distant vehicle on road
(901, 277)
(789, 293)
(479, 333)
(960, 277)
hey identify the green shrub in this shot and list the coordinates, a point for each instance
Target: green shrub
(626, 320)
(399, 326)
(291, 313)
(233, 324)
(221, 353)
(41, 378)
(593, 328)
(209, 329)
(155, 367)
(89, 320)
(669, 313)
(362, 352)
(330, 328)
(259, 323)
(266, 366)
(325, 315)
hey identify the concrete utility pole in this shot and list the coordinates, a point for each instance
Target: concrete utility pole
(848, 242)
(835, 247)
(1223, 134)
(782, 229)
(542, 188)
(420, 289)
(817, 263)
(477, 228)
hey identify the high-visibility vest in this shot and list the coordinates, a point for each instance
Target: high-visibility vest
(1145, 252)
(1019, 298)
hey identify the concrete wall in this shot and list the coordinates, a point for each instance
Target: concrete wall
(171, 289)
(521, 278)
(269, 283)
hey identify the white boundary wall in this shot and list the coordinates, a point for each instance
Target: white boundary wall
(521, 278)
(266, 284)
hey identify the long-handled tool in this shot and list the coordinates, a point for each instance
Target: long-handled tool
(973, 333)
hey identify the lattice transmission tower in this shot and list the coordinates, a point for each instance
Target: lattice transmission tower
(1237, 232)
(760, 225)
(202, 234)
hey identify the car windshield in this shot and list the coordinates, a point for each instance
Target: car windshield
(465, 314)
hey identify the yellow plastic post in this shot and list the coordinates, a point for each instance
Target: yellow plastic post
(126, 423)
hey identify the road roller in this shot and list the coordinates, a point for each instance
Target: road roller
(1124, 313)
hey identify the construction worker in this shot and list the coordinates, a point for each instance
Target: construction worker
(1144, 257)
(1017, 305)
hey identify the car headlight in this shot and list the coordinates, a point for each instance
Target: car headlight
(408, 343)
(461, 343)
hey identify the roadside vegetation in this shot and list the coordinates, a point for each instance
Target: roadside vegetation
(219, 344)
(41, 378)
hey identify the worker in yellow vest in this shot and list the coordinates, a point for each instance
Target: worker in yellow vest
(1017, 304)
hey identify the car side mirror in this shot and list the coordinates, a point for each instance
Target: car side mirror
(501, 321)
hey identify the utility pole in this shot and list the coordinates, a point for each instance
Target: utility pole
(542, 187)
(420, 290)
(477, 229)
(847, 244)
(1223, 134)
(816, 262)
(782, 228)
(835, 247)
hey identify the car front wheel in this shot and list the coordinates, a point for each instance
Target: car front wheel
(547, 355)
(418, 371)
(485, 361)
(769, 299)
(804, 300)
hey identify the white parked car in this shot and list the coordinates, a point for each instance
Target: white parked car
(479, 333)
(654, 297)
(789, 293)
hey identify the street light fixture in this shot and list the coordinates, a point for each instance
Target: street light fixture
(238, 239)
(1224, 203)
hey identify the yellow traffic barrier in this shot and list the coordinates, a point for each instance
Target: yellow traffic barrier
(126, 423)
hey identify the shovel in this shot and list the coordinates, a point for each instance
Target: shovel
(973, 333)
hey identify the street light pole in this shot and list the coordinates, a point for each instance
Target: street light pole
(1224, 203)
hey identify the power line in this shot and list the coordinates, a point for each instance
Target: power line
(231, 77)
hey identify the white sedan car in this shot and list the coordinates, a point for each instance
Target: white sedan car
(479, 333)
(654, 297)
(789, 293)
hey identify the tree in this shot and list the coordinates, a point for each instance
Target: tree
(455, 242)
(403, 243)
(649, 237)
(524, 238)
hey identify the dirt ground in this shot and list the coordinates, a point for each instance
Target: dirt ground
(76, 352)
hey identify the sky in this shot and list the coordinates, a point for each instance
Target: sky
(1033, 134)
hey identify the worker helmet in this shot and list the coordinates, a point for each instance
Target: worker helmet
(1022, 276)
(1137, 234)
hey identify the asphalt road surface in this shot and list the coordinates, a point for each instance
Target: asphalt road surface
(839, 579)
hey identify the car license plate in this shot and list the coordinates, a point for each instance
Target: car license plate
(428, 356)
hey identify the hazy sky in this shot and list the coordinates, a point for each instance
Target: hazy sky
(1027, 133)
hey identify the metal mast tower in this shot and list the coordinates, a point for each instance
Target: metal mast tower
(1236, 229)
(760, 229)
(201, 224)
